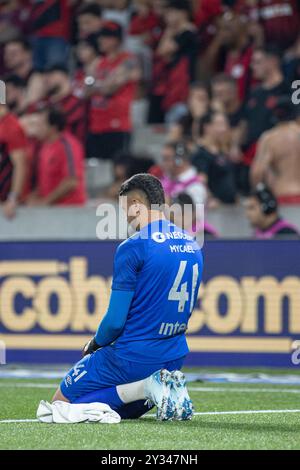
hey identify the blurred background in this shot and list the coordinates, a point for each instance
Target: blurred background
(203, 94)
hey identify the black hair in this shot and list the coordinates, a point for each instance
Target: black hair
(183, 5)
(183, 199)
(141, 164)
(91, 40)
(25, 43)
(90, 9)
(147, 184)
(55, 117)
(111, 29)
(200, 85)
(15, 80)
(133, 163)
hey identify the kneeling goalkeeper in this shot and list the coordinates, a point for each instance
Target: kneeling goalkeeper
(140, 346)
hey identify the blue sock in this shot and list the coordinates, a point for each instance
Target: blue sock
(105, 395)
(134, 410)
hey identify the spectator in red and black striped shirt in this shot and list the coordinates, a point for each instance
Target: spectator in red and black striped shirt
(111, 93)
(60, 165)
(61, 95)
(88, 56)
(13, 145)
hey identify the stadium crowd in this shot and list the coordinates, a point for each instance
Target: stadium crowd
(221, 76)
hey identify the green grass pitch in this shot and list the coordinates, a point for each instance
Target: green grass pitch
(252, 430)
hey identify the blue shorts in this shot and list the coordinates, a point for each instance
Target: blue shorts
(104, 369)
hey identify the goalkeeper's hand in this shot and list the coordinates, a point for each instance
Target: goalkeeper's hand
(90, 347)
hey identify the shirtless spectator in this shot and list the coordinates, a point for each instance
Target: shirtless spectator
(277, 159)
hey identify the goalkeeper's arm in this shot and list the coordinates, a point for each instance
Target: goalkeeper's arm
(113, 322)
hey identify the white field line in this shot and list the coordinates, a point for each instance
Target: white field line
(27, 385)
(245, 412)
(191, 389)
(205, 413)
(242, 390)
(19, 421)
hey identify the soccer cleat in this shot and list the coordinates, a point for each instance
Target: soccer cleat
(184, 409)
(158, 391)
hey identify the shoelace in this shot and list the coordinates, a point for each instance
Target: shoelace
(149, 403)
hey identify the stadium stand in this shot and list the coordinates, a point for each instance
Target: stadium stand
(130, 76)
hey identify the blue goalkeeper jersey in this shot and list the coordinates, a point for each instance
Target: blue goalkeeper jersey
(162, 264)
